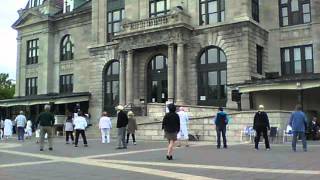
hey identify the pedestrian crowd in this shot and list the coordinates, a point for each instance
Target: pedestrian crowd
(175, 125)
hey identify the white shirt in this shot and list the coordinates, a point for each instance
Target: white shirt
(80, 123)
(105, 123)
(29, 124)
(21, 121)
(183, 116)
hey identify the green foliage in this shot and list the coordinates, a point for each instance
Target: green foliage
(6, 87)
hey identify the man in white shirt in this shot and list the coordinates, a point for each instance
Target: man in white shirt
(21, 122)
(80, 124)
(105, 126)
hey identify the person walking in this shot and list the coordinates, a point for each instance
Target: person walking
(221, 122)
(105, 126)
(1, 128)
(132, 127)
(80, 124)
(261, 125)
(183, 134)
(298, 122)
(171, 127)
(122, 122)
(29, 129)
(7, 128)
(21, 122)
(46, 122)
(68, 127)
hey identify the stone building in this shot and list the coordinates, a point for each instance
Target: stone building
(143, 53)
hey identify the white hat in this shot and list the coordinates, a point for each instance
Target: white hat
(130, 113)
(261, 107)
(119, 107)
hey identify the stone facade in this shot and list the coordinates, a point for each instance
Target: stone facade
(177, 35)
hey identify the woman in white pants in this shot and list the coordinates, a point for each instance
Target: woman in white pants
(105, 126)
(28, 129)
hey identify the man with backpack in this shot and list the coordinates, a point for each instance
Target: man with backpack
(221, 122)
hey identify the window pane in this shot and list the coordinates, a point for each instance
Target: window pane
(294, 5)
(212, 55)
(287, 68)
(306, 8)
(159, 62)
(123, 15)
(116, 16)
(306, 18)
(109, 17)
(108, 87)
(213, 18)
(284, 1)
(222, 57)
(109, 28)
(152, 8)
(286, 55)
(222, 16)
(116, 27)
(212, 78)
(284, 12)
(203, 8)
(203, 58)
(160, 6)
(115, 68)
(309, 66)
(223, 91)
(285, 21)
(203, 19)
(212, 7)
(297, 54)
(297, 66)
(308, 53)
(223, 78)
(115, 90)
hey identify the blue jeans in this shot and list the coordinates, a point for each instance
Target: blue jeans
(302, 135)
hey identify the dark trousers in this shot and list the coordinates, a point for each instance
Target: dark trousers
(133, 137)
(83, 134)
(221, 130)
(21, 133)
(264, 131)
(302, 135)
(69, 133)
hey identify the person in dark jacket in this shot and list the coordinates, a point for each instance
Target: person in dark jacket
(122, 123)
(261, 125)
(221, 122)
(46, 122)
(171, 127)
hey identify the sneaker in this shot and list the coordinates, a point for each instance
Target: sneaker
(41, 149)
(50, 149)
(257, 149)
(75, 145)
(268, 149)
(134, 143)
(168, 157)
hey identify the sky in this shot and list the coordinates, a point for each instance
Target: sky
(8, 45)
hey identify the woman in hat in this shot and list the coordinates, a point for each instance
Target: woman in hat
(132, 127)
(171, 127)
(261, 125)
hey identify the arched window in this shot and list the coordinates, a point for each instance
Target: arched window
(212, 77)
(111, 86)
(66, 48)
(157, 79)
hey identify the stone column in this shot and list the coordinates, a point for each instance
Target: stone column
(122, 79)
(129, 78)
(180, 74)
(170, 72)
(18, 69)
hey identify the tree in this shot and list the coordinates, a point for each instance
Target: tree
(6, 87)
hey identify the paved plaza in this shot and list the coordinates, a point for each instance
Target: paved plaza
(147, 161)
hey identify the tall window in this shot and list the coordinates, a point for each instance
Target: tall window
(114, 21)
(255, 10)
(32, 51)
(259, 59)
(31, 86)
(66, 48)
(66, 83)
(212, 77)
(35, 3)
(293, 12)
(158, 7)
(111, 86)
(297, 60)
(211, 11)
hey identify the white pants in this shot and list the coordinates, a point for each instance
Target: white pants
(29, 132)
(105, 133)
(183, 133)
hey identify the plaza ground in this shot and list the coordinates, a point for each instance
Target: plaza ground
(201, 161)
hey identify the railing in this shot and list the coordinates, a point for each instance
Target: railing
(155, 22)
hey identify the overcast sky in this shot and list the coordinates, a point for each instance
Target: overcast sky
(8, 45)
